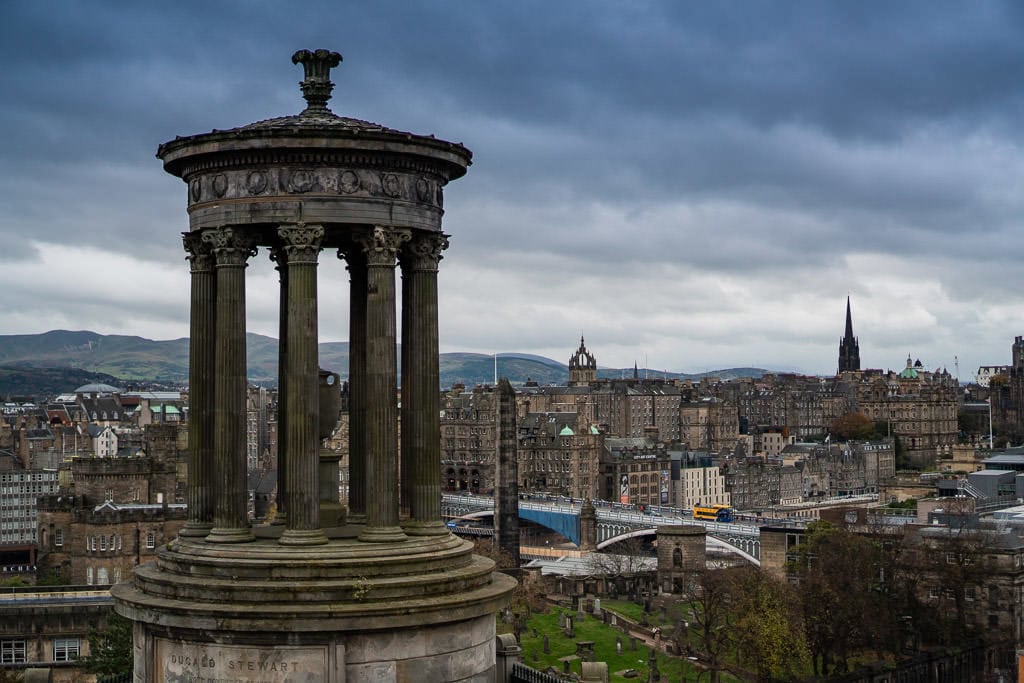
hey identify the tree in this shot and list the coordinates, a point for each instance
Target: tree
(710, 628)
(844, 595)
(110, 646)
(769, 633)
(629, 559)
(853, 426)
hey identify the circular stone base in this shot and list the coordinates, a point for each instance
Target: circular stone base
(417, 609)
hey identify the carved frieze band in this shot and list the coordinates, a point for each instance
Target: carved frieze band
(381, 245)
(301, 242)
(198, 253)
(285, 180)
(230, 246)
(423, 252)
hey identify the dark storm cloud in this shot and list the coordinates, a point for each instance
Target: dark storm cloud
(753, 142)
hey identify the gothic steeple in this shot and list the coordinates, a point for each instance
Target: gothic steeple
(582, 366)
(849, 348)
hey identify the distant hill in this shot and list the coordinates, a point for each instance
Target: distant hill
(123, 360)
(22, 381)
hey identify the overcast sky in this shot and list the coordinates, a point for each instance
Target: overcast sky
(690, 185)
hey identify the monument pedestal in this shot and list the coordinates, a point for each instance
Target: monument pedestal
(418, 610)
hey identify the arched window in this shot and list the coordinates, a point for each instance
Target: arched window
(677, 558)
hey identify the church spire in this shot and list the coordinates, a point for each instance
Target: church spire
(849, 348)
(849, 319)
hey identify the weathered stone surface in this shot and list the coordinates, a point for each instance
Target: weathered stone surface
(388, 597)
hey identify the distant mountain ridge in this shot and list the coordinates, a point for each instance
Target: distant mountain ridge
(131, 359)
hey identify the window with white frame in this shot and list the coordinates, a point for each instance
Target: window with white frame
(88, 575)
(103, 543)
(66, 649)
(58, 537)
(112, 540)
(102, 577)
(150, 539)
(12, 652)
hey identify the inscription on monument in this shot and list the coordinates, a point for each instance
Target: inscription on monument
(178, 662)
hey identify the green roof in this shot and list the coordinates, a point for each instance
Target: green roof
(566, 431)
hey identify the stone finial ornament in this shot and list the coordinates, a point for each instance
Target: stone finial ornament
(316, 86)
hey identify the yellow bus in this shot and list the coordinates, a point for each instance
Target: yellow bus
(713, 513)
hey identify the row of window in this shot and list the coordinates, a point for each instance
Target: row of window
(102, 544)
(16, 651)
(102, 576)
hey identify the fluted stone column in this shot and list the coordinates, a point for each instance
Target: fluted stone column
(301, 246)
(231, 250)
(200, 387)
(280, 258)
(421, 386)
(381, 247)
(356, 259)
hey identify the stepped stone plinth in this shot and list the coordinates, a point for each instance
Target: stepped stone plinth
(378, 591)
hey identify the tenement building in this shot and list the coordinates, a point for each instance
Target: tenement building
(323, 593)
(468, 439)
(113, 512)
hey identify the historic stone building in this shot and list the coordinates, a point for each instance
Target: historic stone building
(842, 469)
(760, 484)
(641, 471)
(47, 628)
(917, 407)
(559, 454)
(468, 439)
(1008, 394)
(709, 424)
(114, 512)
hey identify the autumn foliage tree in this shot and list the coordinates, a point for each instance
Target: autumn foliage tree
(852, 427)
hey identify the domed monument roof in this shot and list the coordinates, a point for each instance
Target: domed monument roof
(97, 388)
(316, 158)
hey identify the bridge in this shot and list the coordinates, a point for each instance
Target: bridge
(615, 522)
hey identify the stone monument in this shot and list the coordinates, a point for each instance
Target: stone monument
(381, 591)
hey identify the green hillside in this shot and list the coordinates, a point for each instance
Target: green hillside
(127, 359)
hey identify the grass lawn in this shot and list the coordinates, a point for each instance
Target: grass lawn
(667, 620)
(603, 637)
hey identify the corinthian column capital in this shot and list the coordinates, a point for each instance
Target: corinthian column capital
(198, 253)
(381, 245)
(301, 242)
(423, 252)
(230, 247)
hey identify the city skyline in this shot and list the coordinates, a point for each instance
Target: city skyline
(689, 187)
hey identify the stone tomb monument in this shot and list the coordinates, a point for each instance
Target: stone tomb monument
(379, 592)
